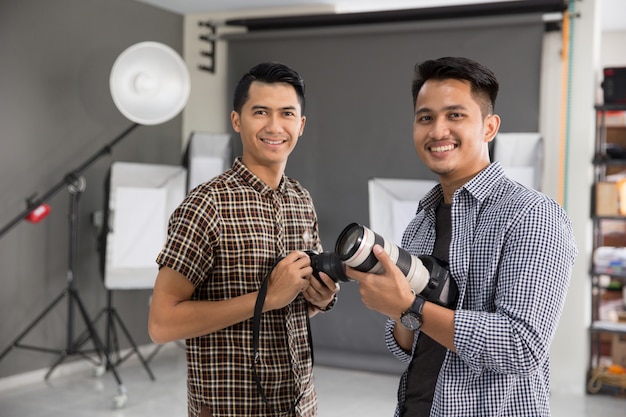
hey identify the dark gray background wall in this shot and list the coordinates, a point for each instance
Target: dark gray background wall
(359, 126)
(56, 111)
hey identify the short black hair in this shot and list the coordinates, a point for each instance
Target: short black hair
(484, 84)
(268, 72)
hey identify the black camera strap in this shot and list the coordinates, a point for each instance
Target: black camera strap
(256, 328)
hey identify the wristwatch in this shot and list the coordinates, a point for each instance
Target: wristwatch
(412, 318)
(328, 307)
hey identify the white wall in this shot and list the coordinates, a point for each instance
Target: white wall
(612, 53)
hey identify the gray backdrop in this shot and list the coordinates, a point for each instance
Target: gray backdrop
(359, 126)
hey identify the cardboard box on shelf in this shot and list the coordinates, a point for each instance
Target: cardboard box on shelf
(618, 342)
(615, 118)
(607, 199)
(616, 135)
(613, 232)
(621, 198)
(618, 349)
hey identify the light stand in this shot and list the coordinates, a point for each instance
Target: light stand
(139, 198)
(113, 320)
(75, 184)
(149, 84)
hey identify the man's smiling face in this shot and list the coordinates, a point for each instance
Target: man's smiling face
(269, 124)
(450, 133)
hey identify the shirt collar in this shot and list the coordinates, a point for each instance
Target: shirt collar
(480, 187)
(255, 182)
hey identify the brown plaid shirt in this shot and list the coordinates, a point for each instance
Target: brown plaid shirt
(225, 237)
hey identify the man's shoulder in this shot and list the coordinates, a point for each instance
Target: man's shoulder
(215, 189)
(520, 201)
(226, 179)
(293, 185)
(520, 194)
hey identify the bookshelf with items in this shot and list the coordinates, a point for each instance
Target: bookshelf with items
(607, 351)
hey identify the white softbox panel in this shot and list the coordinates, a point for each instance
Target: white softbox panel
(521, 156)
(141, 199)
(393, 203)
(208, 155)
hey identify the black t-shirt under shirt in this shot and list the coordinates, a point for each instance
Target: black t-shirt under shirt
(429, 355)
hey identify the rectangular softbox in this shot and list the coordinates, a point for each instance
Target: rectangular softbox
(208, 155)
(521, 156)
(141, 199)
(393, 203)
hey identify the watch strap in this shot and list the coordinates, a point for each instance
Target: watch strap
(328, 307)
(418, 305)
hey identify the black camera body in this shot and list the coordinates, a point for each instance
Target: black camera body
(329, 263)
(441, 288)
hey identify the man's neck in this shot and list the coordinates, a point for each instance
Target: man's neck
(449, 186)
(271, 175)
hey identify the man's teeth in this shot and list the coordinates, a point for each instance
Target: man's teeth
(272, 142)
(442, 148)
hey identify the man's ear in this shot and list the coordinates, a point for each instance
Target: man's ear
(235, 121)
(302, 126)
(492, 125)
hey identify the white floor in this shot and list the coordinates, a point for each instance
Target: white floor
(341, 393)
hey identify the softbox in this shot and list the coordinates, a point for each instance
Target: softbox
(141, 197)
(521, 157)
(393, 203)
(207, 155)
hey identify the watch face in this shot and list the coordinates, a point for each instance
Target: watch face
(411, 321)
(412, 318)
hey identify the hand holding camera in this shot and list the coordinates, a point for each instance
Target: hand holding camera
(388, 292)
(287, 279)
(427, 275)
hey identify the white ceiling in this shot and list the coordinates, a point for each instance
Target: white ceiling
(612, 12)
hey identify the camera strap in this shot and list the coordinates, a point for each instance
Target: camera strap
(256, 328)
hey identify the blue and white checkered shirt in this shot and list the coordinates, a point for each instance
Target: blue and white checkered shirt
(511, 254)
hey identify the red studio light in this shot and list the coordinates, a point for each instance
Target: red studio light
(38, 214)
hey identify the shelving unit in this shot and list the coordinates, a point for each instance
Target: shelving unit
(608, 274)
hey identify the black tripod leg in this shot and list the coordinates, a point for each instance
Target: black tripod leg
(85, 336)
(16, 342)
(58, 362)
(117, 318)
(121, 398)
(154, 352)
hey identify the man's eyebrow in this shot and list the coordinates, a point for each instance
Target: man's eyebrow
(261, 107)
(447, 108)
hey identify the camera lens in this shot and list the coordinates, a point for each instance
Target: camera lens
(329, 263)
(354, 247)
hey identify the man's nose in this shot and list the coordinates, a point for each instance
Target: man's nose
(439, 129)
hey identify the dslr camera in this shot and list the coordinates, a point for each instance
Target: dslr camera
(427, 275)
